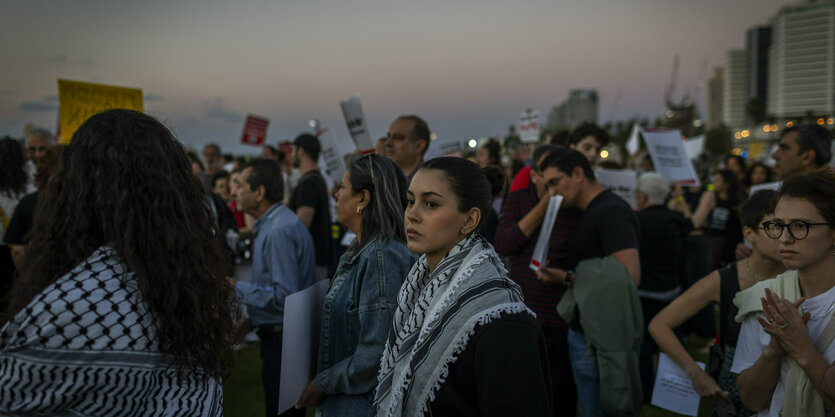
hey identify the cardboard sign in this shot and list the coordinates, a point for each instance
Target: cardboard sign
(255, 130)
(529, 126)
(621, 182)
(300, 341)
(669, 156)
(540, 251)
(333, 153)
(354, 117)
(78, 101)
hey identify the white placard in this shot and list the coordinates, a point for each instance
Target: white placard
(348, 238)
(765, 186)
(694, 146)
(673, 389)
(621, 182)
(669, 156)
(634, 141)
(354, 117)
(540, 251)
(529, 126)
(333, 153)
(300, 342)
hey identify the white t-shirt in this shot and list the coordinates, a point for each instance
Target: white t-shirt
(753, 340)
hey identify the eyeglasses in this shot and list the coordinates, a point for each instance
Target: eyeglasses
(798, 229)
(554, 181)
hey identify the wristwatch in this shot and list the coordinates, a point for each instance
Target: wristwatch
(569, 278)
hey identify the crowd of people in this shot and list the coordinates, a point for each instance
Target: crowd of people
(119, 290)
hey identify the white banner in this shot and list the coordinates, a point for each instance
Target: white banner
(540, 251)
(352, 110)
(529, 126)
(621, 182)
(669, 156)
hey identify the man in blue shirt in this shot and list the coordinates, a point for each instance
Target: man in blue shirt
(283, 262)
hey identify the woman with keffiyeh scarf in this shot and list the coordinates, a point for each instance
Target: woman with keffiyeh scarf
(462, 341)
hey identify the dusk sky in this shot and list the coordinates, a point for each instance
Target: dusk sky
(467, 67)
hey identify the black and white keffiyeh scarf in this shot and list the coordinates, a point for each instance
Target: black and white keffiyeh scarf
(435, 317)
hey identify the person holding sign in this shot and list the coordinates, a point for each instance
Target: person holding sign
(407, 142)
(363, 293)
(720, 286)
(123, 308)
(607, 231)
(786, 340)
(462, 341)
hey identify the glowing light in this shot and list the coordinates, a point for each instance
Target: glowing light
(767, 128)
(773, 128)
(472, 143)
(604, 154)
(820, 121)
(737, 135)
(746, 133)
(830, 121)
(789, 124)
(433, 136)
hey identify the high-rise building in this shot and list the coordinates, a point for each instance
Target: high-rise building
(802, 61)
(715, 97)
(735, 88)
(581, 106)
(757, 42)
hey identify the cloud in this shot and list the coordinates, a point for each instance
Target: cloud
(216, 109)
(38, 106)
(151, 97)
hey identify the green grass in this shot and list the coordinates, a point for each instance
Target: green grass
(244, 396)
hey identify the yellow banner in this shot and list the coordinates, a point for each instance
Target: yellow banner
(79, 101)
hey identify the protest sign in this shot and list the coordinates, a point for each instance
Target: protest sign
(540, 251)
(354, 117)
(765, 186)
(634, 141)
(78, 101)
(333, 153)
(302, 317)
(621, 182)
(673, 389)
(255, 130)
(669, 156)
(529, 126)
(694, 146)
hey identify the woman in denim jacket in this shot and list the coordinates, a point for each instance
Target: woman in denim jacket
(363, 294)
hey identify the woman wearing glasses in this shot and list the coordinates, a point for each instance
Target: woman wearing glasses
(785, 344)
(363, 293)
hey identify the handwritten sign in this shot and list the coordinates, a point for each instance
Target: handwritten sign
(529, 126)
(669, 156)
(78, 101)
(255, 130)
(333, 153)
(354, 117)
(540, 251)
(621, 182)
(673, 389)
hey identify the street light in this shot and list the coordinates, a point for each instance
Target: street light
(472, 143)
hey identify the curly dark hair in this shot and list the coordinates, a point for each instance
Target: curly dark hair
(124, 181)
(12, 168)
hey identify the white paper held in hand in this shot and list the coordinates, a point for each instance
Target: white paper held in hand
(540, 251)
(673, 389)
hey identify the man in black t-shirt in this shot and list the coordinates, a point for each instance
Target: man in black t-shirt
(607, 228)
(310, 199)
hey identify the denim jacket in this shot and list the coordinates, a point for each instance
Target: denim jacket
(356, 319)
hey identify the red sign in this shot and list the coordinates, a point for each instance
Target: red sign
(255, 130)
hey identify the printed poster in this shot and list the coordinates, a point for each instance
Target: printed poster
(79, 100)
(669, 156)
(357, 125)
(255, 130)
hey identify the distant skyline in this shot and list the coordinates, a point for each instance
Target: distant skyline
(467, 67)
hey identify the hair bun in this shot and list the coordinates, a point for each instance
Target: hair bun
(496, 177)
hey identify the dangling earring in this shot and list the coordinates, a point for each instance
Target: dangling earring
(359, 211)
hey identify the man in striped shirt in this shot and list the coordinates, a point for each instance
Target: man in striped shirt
(516, 237)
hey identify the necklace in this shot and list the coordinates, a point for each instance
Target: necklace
(757, 278)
